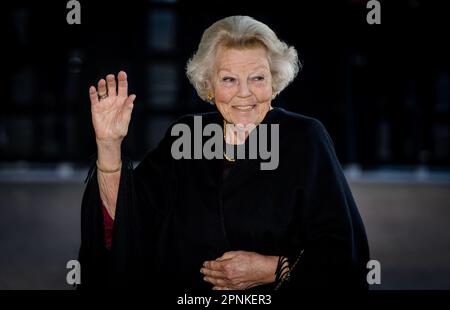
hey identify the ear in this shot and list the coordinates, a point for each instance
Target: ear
(210, 97)
(274, 93)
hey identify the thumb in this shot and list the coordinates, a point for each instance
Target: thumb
(227, 255)
(130, 101)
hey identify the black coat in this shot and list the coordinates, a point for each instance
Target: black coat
(172, 215)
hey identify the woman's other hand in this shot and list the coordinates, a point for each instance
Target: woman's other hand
(239, 270)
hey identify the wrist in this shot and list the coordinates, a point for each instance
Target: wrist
(107, 170)
(109, 155)
(108, 144)
(271, 263)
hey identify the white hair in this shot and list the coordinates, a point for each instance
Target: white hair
(241, 32)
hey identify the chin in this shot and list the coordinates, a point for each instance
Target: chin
(244, 120)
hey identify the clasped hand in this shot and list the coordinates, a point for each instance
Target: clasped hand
(239, 270)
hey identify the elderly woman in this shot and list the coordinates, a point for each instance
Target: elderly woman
(222, 223)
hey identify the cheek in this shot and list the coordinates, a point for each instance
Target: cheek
(224, 95)
(222, 100)
(263, 93)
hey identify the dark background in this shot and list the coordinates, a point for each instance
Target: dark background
(382, 91)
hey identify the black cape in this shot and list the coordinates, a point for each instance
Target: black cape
(172, 215)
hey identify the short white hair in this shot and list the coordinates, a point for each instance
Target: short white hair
(241, 32)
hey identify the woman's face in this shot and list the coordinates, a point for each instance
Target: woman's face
(242, 85)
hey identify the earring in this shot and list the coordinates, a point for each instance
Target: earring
(210, 97)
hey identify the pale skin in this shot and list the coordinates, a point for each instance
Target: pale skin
(242, 83)
(239, 270)
(242, 92)
(110, 117)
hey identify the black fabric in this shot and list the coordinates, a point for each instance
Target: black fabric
(172, 215)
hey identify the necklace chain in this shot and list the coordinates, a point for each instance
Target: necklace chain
(228, 158)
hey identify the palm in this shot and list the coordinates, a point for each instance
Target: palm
(110, 119)
(111, 115)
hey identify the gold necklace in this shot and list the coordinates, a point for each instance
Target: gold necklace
(228, 158)
(225, 139)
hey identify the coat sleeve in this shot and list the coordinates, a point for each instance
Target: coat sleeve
(143, 201)
(329, 247)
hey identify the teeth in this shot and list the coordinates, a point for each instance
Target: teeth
(245, 108)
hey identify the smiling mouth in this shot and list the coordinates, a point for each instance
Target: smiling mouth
(244, 108)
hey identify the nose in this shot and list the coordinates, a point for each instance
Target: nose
(244, 90)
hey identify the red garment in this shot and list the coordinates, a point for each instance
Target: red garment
(108, 227)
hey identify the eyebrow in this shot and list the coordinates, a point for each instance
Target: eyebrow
(256, 68)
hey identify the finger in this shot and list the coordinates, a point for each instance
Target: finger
(212, 273)
(227, 255)
(215, 282)
(93, 95)
(129, 103)
(123, 84)
(111, 81)
(101, 88)
(221, 288)
(214, 265)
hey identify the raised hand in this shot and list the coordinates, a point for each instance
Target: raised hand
(111, 109)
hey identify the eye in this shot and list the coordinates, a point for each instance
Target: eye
(258, 78)
(228, 79)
